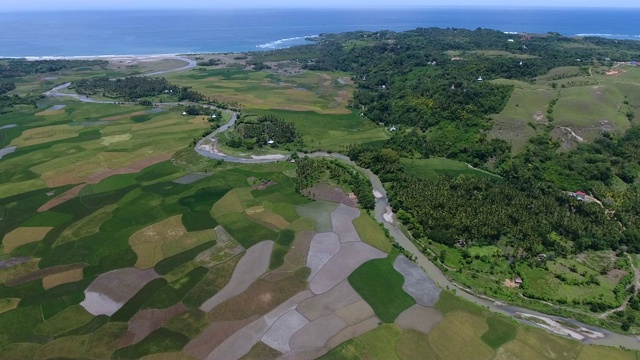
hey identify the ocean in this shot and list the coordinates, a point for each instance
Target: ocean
(91, 33)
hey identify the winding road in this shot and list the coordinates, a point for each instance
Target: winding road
(56, 91)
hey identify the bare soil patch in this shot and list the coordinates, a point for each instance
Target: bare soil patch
(419, 318)
(57, 178)
(510, 283)
(108, 140)
(147, 321)
(616, 275)
(62, 198)
(133, 168)
(42, 273)
(13, 262)
(317, 333)
(264, 184)
(282, 330)
(7, 304)
(343, 226)
(109, 291)
(242, 341)
(66, 277)
(295, 258)
(50, 112)
(356, 312)
(226, 247)
(18, 269)
(352, 331)
(348, 211)
(214, 335)
(23, 235)
(190, 178)
(322, 248)
(253, 264)
(268, 217)
(328, 303)
(331, 193)
(416, 282)
(260, 298)
(342, 264)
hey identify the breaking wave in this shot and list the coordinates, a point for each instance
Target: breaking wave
(284, 42)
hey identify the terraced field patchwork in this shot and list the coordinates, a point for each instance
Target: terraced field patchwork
(108, 140)
(464, 328)
(104, 341)
(379, 343)
(553, 347)
(370, 232)
(68, 319)
(500, 332)
(148, 242)
(45, 134)
(87, 226)
(228, 204)
(19, 351)
(188, 241)
(22, 268)
(65, 347)
(7, 304)
(22, 236)
(414, 345)
(591, 352)
(260, 298)
(65, 277)
(267, 217)
(216, 279)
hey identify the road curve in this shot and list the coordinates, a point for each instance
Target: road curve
(55, 92)
(432, 271)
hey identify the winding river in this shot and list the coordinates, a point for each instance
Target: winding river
(207, 147)
(586, 333)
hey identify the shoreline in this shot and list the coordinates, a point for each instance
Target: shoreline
(108, 57)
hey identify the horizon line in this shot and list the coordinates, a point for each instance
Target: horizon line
(407, 7)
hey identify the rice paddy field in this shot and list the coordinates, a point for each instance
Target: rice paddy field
(119, 242)
(316, 102)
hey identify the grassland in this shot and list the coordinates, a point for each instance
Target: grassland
(587, 103)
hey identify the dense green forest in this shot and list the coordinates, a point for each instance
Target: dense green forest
(431, 84)
(133, 88)
(267, 129)
(14, 68)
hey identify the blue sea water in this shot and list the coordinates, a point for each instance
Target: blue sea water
(139, 32)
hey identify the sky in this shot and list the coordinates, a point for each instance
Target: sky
(34, 5)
